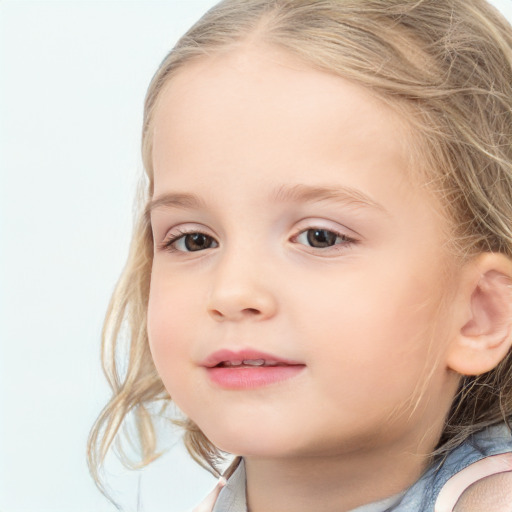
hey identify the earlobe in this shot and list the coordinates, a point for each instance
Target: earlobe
(484, 335)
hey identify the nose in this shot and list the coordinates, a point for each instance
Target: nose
(240, 291)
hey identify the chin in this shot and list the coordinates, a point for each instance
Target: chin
(248, 442)
(259, 442)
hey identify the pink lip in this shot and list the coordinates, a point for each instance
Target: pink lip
(248, 377)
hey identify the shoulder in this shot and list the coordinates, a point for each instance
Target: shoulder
(492, 494)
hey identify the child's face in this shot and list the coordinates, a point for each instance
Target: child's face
(312, 245)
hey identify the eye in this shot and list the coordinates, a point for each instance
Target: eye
(322, 238)
(189, 242)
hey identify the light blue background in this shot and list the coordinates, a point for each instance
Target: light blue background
(73, 75)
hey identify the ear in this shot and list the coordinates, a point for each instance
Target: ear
(484, 315)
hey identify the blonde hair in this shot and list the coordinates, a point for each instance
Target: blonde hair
(447, 65)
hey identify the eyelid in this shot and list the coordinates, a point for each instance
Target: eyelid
(323, 223)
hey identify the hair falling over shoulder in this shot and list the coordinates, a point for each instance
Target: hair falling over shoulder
(444, 64)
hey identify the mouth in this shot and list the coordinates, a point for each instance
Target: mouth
(247, 358)
(249, 363)
(248, 369)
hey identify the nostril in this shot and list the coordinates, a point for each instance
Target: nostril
(246, 312)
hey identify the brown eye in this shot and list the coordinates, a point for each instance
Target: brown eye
(190, 242)
(324, 241)
(320, 238)
(197, 241)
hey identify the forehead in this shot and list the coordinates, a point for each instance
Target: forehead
(256, 100)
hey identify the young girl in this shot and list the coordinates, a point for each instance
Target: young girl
(320, 276)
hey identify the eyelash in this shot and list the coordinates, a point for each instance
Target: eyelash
(346, 241)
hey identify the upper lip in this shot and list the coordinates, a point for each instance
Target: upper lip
(230, 356)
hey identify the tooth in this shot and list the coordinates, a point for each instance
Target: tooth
(254, 362)
(270, 363)
(233, 363)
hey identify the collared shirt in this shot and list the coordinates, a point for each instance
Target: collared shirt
(232, 496)
(485, 453)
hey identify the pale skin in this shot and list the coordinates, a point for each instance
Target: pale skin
(240, 132)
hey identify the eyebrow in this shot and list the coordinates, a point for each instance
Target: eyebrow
(339, 194)
(284, 193)
(175, 200)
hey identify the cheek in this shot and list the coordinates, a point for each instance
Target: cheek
(170, 326)
(374, 334)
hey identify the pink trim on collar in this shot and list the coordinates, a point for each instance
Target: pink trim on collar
(209, 502)
(459, 482)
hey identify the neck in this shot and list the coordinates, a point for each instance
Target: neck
(339, 482)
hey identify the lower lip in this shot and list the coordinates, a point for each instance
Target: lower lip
(252, 377)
